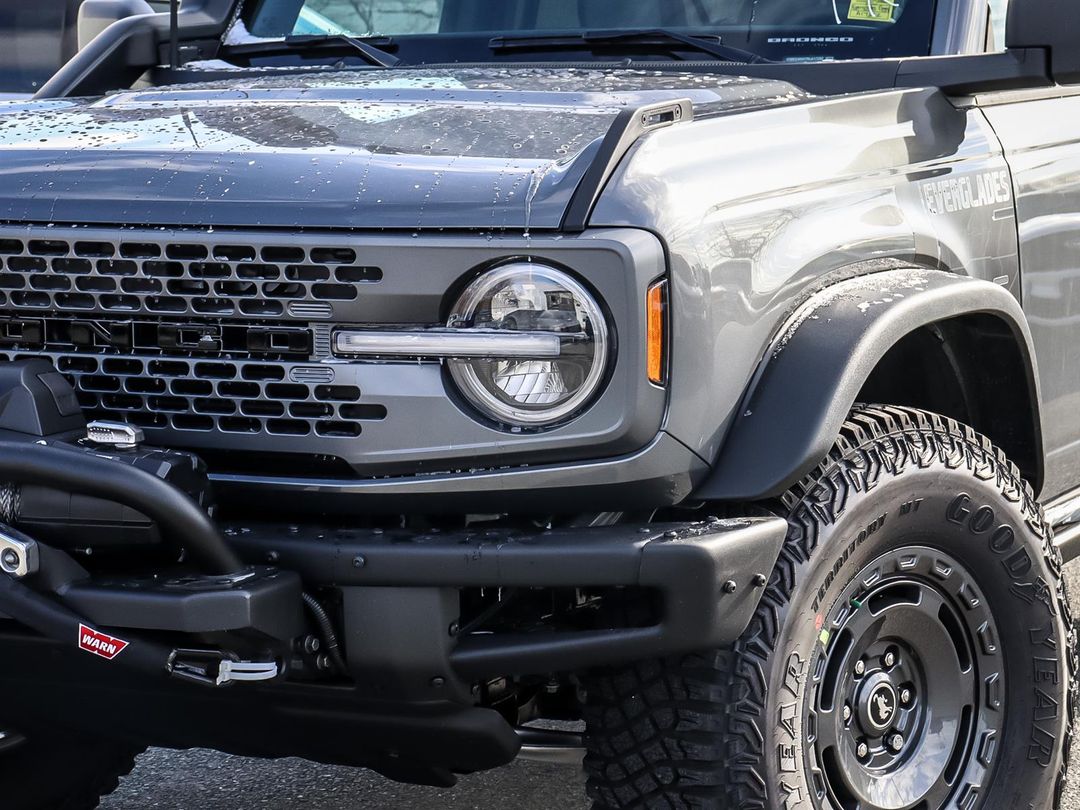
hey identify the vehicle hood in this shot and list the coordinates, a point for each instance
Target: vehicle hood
(413, 149)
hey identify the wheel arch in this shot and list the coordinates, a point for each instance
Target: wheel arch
(856, 340)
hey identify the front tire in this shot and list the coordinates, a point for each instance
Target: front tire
(914, 649)
(47, 769)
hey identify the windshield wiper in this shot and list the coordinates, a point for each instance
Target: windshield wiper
(630, 38)
(372, 55)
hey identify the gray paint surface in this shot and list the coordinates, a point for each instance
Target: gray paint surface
(1040, 138)
(477, 149)
(768, 197)
(761, 210)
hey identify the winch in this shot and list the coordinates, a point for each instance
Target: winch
(73, 490)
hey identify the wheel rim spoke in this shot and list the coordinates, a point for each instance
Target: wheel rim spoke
(898, 704)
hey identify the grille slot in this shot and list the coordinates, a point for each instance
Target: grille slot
(175, 276)
(195, 396)
(212, 341)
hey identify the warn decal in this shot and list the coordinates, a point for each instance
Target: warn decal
(100, 644)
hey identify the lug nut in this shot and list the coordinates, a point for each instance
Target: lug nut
(906, 696)
(847, 713)
(889, 660)
(896, 743)
(860, 668)
(862, 750)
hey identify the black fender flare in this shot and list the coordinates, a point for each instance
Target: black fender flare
(817, 363)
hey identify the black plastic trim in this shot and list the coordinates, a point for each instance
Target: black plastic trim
(628, 126)
(709, 576)
(981, 73)
(814, 370)
(1050, 24)
(266, 600)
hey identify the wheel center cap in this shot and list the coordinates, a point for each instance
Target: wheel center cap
(880, 705)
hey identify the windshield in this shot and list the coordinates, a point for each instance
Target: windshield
(783, 30)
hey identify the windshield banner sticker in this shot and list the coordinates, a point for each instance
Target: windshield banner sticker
(966, 192)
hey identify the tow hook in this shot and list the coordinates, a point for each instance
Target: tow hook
(216, 668)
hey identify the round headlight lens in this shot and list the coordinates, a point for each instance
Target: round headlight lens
(536, 299)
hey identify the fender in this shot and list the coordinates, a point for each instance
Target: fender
(818, 362)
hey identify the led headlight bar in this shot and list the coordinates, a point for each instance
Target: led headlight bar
(447, 343)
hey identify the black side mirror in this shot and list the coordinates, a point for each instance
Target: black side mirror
(1053, 25)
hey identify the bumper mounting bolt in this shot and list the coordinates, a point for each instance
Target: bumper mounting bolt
(454, 628)
(358, 561)
(9, 560)
(730, 586)
(438, 682)
(760, 580)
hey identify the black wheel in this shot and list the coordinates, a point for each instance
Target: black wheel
(914, 649)
(54, 770)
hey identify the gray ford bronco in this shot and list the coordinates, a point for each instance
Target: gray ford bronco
(692, 386)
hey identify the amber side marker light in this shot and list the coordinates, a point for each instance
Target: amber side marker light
(656, 303)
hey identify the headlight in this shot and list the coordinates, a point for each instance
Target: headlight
(541, 390)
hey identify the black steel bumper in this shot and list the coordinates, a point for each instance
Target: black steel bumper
(708, 576)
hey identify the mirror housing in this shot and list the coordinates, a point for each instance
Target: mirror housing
(1052, 25)
(97, 15)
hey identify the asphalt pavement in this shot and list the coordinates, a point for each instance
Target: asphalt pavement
(204, 780)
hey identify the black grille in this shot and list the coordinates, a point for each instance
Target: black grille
(197, 395)
(210, 340)
(172, 277)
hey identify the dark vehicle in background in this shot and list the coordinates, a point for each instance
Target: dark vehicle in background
(379, 379)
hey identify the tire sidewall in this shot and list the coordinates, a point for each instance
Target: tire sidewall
(952, 510)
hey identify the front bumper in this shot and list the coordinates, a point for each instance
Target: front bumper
(708, 576)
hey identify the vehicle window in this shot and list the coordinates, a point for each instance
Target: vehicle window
(791, 30)
(35, 40)
(998, 11)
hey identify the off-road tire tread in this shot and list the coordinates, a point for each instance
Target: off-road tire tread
(78, 773)
(107, 782)
(657, 730)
